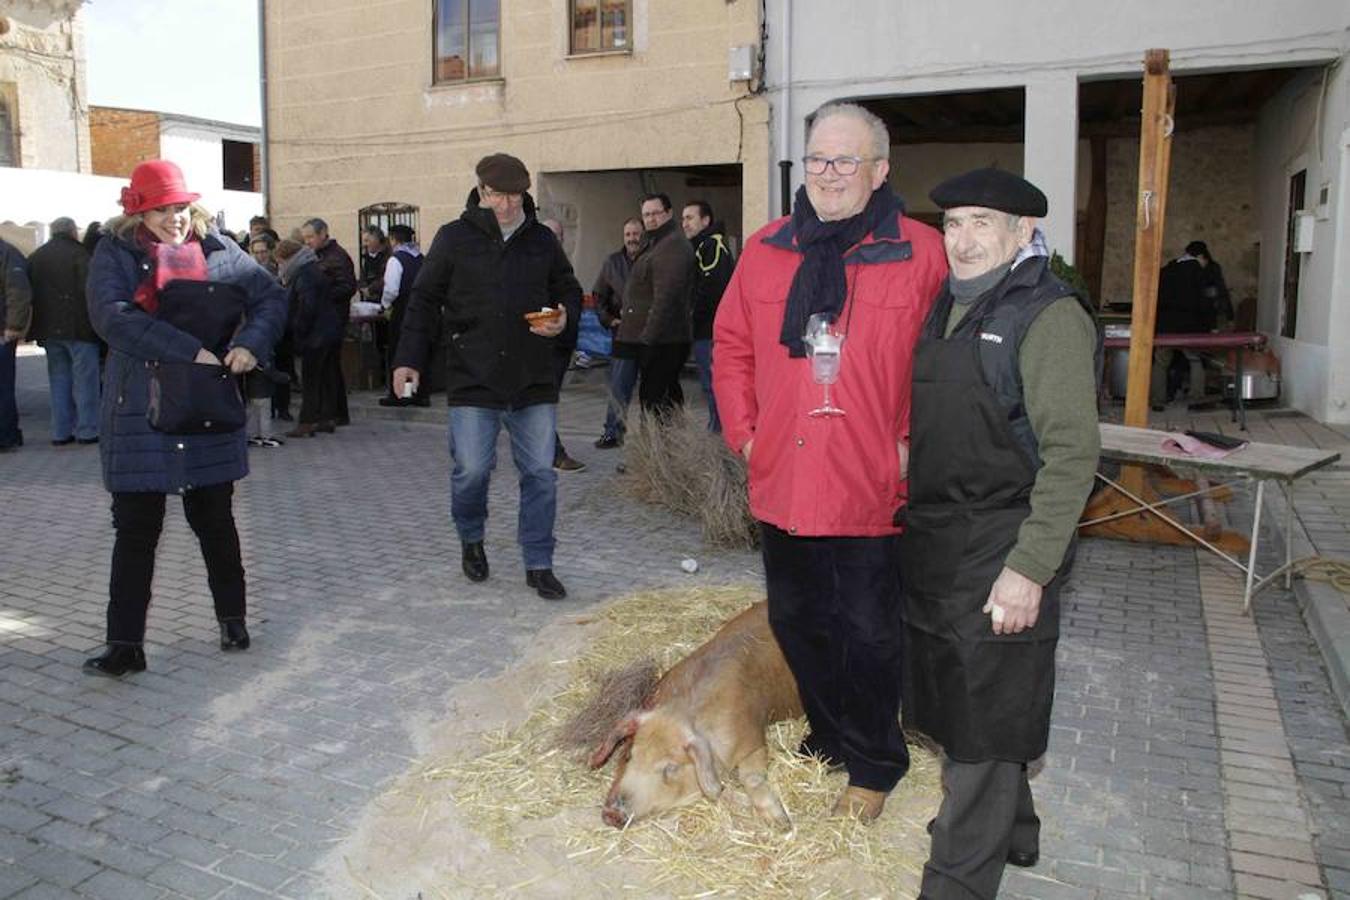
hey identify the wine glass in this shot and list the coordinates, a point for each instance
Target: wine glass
(824, 346)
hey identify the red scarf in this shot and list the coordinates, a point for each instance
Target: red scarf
(168, 262)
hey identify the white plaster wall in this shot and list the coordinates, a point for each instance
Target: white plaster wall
(1304, 127)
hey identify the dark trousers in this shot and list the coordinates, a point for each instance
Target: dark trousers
(986, 811)
(659, 380)
(10, 435)
(321, 385)
(138, 519)
(562, 359)
(283, 360)
(396, 313)
(834, 606)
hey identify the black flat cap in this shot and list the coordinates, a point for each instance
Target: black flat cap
(503, 172)
(991, 188)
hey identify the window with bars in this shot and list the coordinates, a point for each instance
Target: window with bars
(600, 26)
(467, 35)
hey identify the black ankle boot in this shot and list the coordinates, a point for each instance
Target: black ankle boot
(116, 661)
(475, 562)
(233, 636)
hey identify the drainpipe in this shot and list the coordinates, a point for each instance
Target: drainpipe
(262, 86)
(785, 113)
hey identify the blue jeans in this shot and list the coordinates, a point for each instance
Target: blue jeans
(703, 357)
(473, 456)
(623, 376)
(72, 371)
(10, 435)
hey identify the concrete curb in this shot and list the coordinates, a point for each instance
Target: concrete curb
(1324, 608)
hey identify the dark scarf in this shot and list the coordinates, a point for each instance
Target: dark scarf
(820, 285)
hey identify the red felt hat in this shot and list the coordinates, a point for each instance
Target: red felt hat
(153, 184)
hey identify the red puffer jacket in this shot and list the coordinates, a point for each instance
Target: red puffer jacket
(837, 476)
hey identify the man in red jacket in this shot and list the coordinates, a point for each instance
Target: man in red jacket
(843, 284)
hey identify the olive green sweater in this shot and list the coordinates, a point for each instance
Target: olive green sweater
(1060, 388)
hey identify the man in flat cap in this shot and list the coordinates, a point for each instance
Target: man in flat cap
(484, 273)
(1003, 450)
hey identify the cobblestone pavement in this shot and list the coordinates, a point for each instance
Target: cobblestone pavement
(215, 776)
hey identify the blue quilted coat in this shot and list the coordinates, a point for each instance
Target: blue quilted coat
(136, 457)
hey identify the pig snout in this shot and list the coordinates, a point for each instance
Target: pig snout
(616, 811)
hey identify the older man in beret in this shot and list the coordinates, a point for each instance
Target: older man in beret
(484, 274)
(1003, 451)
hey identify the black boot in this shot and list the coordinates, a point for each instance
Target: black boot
(116, 661)
(475, 562)
(233, 636)
(545, 583)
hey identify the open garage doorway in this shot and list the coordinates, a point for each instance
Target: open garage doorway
(594, 205)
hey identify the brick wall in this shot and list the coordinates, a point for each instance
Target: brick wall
(121, 138)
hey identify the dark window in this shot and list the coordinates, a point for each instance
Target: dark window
(599, 25)
(9, 126)
(467, 36)
(237, 162)
(1293, 262)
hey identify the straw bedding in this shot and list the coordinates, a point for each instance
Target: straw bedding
(524, 795)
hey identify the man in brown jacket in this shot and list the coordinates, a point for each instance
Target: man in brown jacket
(656, 306)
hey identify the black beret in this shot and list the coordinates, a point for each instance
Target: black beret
(993, 189)
(503, 172)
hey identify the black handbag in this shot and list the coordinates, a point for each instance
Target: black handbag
(193, 398)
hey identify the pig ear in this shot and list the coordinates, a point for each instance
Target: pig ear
(700, 751)
(624, 729)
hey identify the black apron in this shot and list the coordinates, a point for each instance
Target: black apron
(980, 695)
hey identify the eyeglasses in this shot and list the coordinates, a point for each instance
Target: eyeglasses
(843, 165)
(488, 193)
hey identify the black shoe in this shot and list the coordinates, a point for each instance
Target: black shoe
(546, 583)
(1024, 858)
(233, 636)
(609, 442)
(116, 661)
(475, 562)
(86, 441)
(393, 401)
(61, 442)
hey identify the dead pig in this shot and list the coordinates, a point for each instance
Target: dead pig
(706, 716)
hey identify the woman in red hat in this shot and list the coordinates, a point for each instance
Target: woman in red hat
(165, 291)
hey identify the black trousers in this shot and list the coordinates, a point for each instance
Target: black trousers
(834, 606)
(659, 380)
(283, 360)
(986, 811)
(321, 385)
(138, 519)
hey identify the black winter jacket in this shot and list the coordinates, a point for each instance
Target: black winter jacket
(58, 271)
(474, 290)
(715, 265)
(340, 271)
(16, 296)
(314, 322)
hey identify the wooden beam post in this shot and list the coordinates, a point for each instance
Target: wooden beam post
(1155, 158)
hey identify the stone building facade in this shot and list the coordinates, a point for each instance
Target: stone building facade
(604, 101)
